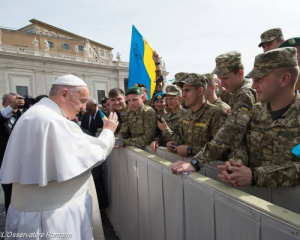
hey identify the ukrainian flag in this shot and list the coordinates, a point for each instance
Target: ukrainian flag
(141, 64)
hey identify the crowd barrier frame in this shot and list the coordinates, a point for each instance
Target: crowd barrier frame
(147, 202)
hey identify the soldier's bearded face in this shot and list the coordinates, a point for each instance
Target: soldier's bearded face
(231, 81)
(267, 87)
(135, 101)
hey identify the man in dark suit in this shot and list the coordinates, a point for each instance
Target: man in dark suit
(10, 102)
(91, 121)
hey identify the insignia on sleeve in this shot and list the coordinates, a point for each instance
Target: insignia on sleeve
(242, 117)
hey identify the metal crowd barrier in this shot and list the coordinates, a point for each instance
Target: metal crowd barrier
(148, 202)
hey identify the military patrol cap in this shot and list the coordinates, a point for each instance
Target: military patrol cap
(194, 79)
(103, 100)
(270, 35)
(180, 76)
(226, 61)
(173, 90)
(134, 90)
(209, 76)
(276, 58)
(292, 42)
(158, 96)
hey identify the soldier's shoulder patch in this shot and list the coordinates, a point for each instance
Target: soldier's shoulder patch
(242, 117)
(200, 125)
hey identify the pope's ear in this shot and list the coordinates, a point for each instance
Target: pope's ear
(64, 93)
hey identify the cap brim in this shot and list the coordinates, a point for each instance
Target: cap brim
(258, 74)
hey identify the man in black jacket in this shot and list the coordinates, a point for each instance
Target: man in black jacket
(10, 102)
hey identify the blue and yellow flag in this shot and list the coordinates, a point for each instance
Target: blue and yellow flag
(141, 64)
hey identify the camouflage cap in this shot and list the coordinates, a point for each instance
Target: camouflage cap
(134, 90)
(173, 90)
(270, 35)
(226, 61)
(180, 76)
(210, 77)
(194, 79)
(276, 58)
(292, 42)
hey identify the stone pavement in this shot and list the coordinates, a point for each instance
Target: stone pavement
(2, 211)
(107, 228)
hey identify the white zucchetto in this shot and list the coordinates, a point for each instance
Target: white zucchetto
(70, 80)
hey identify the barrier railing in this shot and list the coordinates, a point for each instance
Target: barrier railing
(148, 202)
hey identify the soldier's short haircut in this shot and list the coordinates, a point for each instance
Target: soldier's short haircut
(279, 38)
(236, 68)
(294, 71)
(211, 83)
(198, 86)
(115, 92)
(5, 96)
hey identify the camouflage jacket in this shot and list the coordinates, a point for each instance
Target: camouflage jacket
(172, 132)
(224, 96)
(220, 104)
(200, 127)
(232, 132)
(121, 119)
(139, 130)
(269, 145)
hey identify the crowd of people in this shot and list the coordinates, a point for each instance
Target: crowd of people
(252, 125)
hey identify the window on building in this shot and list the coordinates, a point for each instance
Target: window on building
(101, 94)
(90, 51)
(30, 30)
(22, 90)
(80, 48)
(51, 44)
(66, 46)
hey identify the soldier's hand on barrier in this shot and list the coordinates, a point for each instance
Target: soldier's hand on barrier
(181, 166)
(154, 145)
(118, 143)
(182, 150)
(172, 146)
(112, 122)
(17, 102)
(162, 125)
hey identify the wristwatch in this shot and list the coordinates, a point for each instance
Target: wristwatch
(195, 164)
(189, 151)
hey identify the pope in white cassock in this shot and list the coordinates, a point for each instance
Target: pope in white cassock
(49, 161)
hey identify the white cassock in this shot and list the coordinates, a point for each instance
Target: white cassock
(49, 160)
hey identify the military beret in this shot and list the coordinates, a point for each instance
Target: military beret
(270, 35)
(180, 76)
(173, 90)
(158, 96)
(103, 100)
(292, 42)
(194, 79)
(226, 61)
(134, 90)
(276, 58)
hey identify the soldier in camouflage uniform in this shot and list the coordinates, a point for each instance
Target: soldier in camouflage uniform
(201, 122)
(294, 42)
(271, 39)
(139, 127)
(274, 129)
(210, 93)
(178, 77)
(172, 121)
(229, 70)
(118, 105)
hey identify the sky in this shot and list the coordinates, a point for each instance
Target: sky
(188, 34)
